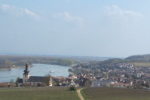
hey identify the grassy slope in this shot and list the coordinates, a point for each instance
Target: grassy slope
(38, 94)
(141, 64)
(115, 94)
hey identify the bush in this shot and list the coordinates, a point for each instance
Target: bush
(72, 88)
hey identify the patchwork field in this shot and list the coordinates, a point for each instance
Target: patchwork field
(38, 94)
(115, 94)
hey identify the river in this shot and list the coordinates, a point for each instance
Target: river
(7, 75)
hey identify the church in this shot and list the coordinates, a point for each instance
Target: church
(33, 81)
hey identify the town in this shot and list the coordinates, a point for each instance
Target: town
(120, 75)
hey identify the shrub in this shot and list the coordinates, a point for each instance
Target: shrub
(72, 88)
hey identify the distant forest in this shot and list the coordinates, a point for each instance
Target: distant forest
(17, 61)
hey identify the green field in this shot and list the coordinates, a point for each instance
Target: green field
(38, 94)
(141, 64)
(115, 94)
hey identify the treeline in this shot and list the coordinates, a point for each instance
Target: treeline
(9, 61)
(140, 58)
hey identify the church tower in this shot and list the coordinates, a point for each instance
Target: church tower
(26, 74)
(50, 81)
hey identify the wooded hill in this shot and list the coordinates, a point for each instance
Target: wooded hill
(136, 60)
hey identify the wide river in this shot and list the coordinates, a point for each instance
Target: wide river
(7, 75)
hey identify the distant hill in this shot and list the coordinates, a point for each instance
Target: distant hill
(139, 58)
(136, 60)
(87, 58)
(7, 61)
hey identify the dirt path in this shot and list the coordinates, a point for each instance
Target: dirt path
(79, 94)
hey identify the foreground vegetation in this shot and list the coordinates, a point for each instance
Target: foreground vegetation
(115, 94)
(38, 94)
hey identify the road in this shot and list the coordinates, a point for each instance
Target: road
(79, 94)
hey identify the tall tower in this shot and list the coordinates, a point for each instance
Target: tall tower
(26, 74)
(50, 81)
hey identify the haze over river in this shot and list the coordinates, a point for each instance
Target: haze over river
(7, 75)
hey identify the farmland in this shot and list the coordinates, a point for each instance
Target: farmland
(115, 94)
(38, 94)
(141, 64)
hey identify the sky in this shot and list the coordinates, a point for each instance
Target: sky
(104, 28)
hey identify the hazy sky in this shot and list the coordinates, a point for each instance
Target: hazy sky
(108, 28)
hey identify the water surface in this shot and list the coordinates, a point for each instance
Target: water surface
(7, 75)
